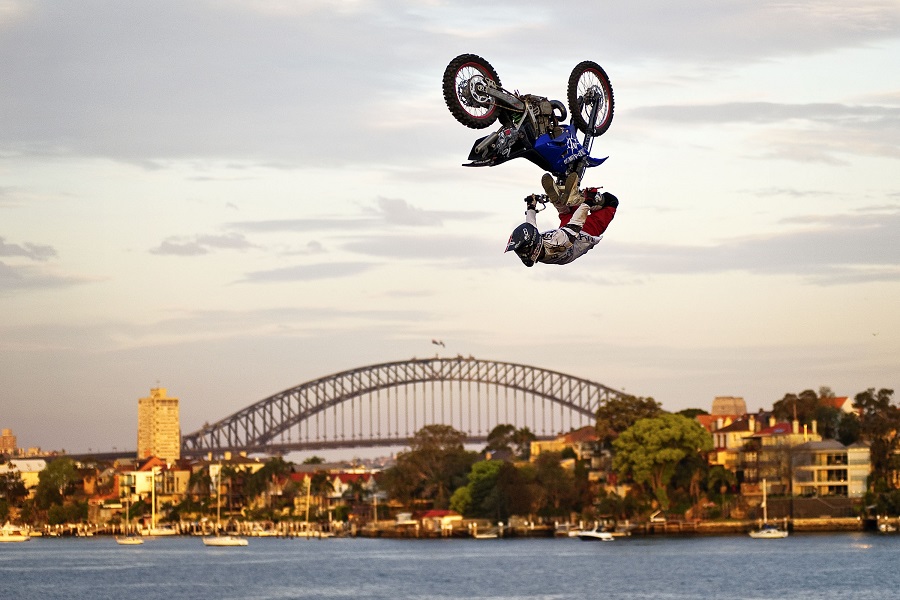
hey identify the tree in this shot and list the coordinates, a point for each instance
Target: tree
(829, 421)
(801, 406)
(692, 413)
(719, 481)
(556, 485)
(480, 498)
(12, 489)
(879, 424)
(649, 451)
(849, 429)
(619, 413)
(257, 483)
(54, 482)
(506, 437)
(435, 465)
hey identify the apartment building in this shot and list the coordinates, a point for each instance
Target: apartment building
(159, 427)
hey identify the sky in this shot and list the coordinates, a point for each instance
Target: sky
(229, 198)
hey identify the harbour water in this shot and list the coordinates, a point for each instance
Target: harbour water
(816, 566)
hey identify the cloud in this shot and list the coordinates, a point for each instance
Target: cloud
(302, 225)
(182, 80)
(400, 212)
(803, 132)
(37, 252)
(443, 247)
(201, 244)
(770, 112)
(307, 272)
(16, 278)
(827, 251)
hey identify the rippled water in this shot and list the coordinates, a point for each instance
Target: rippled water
(822, 567)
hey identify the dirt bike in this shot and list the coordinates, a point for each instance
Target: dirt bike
(531, 126)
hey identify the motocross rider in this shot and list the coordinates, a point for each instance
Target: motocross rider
(583, 217)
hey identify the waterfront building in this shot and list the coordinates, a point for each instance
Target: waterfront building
(583, 442)
(8, 443)
(767, 455)
(28, 469)
(828, 468)
(729, 441)
(159, 428)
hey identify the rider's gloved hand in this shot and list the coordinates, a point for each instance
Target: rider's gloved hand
(531, 202)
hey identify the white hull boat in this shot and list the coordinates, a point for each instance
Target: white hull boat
(11, 533)
(129, 540)
(224, 540)
(767, 531)
(595, 535)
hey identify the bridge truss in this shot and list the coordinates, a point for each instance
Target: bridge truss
(385, 404)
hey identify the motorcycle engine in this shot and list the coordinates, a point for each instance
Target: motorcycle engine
(545, 118)
(505, 139)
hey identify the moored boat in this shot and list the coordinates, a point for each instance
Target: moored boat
(129, 540)
(767, 531)
(13, 533)
(596, 534)
(224, 540)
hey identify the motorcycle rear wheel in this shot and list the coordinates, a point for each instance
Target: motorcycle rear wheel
(589, 85)
(467, 109)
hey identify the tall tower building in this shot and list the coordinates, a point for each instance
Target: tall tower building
(159, 428)
(8, 442)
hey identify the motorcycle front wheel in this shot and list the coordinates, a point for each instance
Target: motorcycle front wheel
(470, 109)
(590, 97)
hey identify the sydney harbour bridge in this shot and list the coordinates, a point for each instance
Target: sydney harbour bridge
(386, 404)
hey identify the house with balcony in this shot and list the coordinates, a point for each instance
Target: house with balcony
(828, 468)
(768, 455)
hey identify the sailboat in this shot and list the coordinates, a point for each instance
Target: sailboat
(767, 531)
(307, 532)
(154, 530)
(221, 540)
(128, 540)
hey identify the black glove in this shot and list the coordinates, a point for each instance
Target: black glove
(531, 201)
(609, 200)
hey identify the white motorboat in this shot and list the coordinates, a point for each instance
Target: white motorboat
(159, 531)
(767, 531)
(12, 533)
(224, 540)
(129, 540)
(595, 535)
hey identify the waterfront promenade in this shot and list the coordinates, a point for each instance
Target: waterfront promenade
(467, 529)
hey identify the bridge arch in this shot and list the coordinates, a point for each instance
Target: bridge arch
(385, 404)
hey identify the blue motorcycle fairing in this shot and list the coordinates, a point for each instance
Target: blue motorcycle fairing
(561, 151)
(550, 154)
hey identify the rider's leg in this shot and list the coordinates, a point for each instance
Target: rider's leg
(550, 188)
(579, 216)
(572, 195)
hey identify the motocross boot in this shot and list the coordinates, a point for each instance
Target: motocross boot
(550, 188)
(571, 194)
(553, 194)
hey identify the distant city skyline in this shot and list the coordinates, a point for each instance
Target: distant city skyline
(228, 199)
